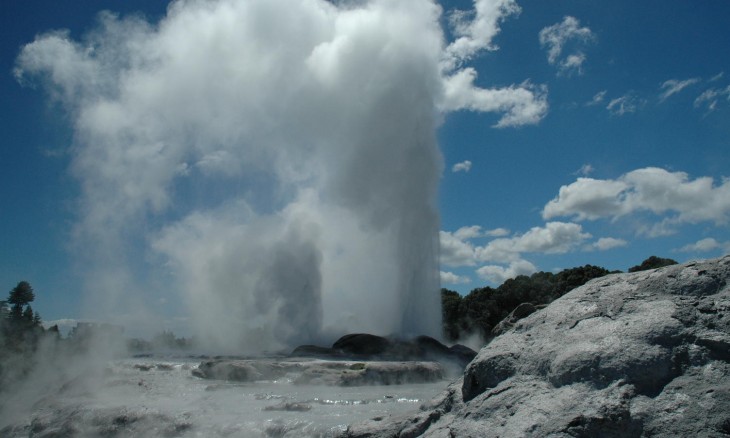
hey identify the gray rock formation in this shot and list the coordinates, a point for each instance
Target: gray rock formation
(627, 355)
(521, 311)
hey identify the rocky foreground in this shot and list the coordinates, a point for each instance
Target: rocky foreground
(627, 355)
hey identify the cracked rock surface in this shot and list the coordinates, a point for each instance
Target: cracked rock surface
(627, 355)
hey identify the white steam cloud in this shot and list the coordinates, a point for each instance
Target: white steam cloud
(275, 161)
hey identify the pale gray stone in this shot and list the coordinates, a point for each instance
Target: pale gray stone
(628, 355)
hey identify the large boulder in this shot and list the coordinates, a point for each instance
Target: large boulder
(362, 344)
(627, 355)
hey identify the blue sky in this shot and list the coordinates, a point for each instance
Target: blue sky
(617, 150)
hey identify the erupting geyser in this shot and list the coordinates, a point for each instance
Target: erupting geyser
(274, 161)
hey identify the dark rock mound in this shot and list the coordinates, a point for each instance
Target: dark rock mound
(363, 346)
(316, 351)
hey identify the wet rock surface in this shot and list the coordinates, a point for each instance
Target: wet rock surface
(322, 372)
(627, 355)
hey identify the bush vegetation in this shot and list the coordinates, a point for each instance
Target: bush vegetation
(483, 308)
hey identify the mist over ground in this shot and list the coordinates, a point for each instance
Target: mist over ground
(270, 163)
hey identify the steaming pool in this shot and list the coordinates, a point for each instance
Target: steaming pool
(159, 397)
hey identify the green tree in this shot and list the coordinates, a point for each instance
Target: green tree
(451, 308)
(20, 296)
(652, 262)
(28, 315)
(569, 279)
(483, 308)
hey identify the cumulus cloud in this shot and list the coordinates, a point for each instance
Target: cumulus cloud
(506, 254)
(651, 190)
(499, 274)
(554, 238)
(476, 29)
(706, 245)
(674, 86)
(606, 243)
(451, 278)
(557, 37)
(522, 104)
(456, 250)
(469, 232)
(464, 166)
(586, 198)
(497, 232)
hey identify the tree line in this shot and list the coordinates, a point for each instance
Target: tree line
(483, 308)
(20, 326)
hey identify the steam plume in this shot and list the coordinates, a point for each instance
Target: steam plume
(274, 161)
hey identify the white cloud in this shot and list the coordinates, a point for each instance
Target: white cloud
(709, 98)
(469, 232)
(587, 198)
(522, 104)
(674, 86)
(706, 245)
(625, 104)
(476, 29)
(464, 166)
(499, 274)
(598, 98)
(455, 250)
(451, 278)
(606, 243)
(585, 170)
(218, 162)
(497, 232)
(556, 37)
(553, 238)
(573, 62)
(663, 228)
(650, 189)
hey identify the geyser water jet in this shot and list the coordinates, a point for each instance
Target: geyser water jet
(272, 161)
